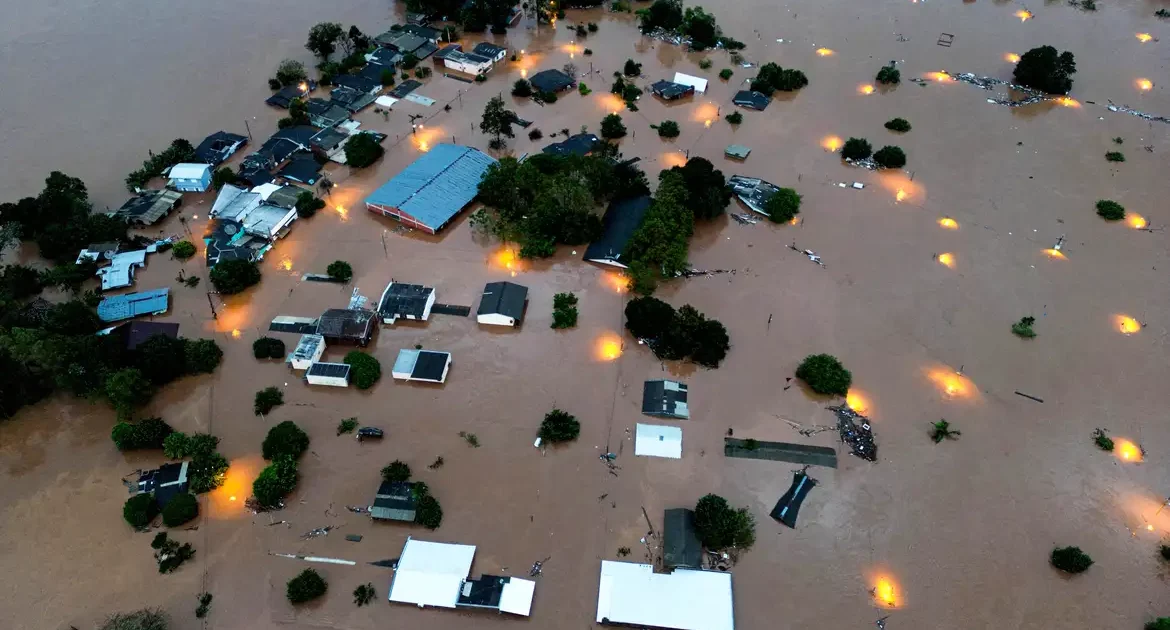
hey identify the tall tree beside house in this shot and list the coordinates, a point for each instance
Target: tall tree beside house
(233, 276)
(308, 205)
(362, 150)
(497, 121)
(290, 72)
(323, 39)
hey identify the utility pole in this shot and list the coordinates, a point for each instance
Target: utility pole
(249, 128)
(214, 315)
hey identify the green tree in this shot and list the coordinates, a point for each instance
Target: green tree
(942, 430)
(497, 121)
(1114, 156)
(323, 39)
(72, 318)
(1110, 210)
(825, 374)
(69, 276)
(631, 69)
(522, 88)
(128, 389)
(700, 27)
(783, 206)
(856, 149)
(364, 594)
(564, 310)
(664, 14)
(890, 157)
(148, 433)
(340, 271)
(176, 445)
(364, 369)
(612, 127)
(721, 527)
(145, 619)
(900, 125)
(648, 317)
(275, 482)
(285, 439)
(1023, 328)
(707, 191)
(201, 356)
(267, 399)
(396, 471)
(387, 77)
(233, 276)
(1071, 559)
(291, 72)
(223, 175)
(1161, 623)
(1045, 70)
(183, 250)
(559, 426)
(268, 348)
(307, 204)
(668, 129)
(181, 508)
(889, 75)
(734, 118)
(362, 150)
(428, 512)
(204, 605)
(139, 510)
(160, 359)
(771, 77)
(307, 585)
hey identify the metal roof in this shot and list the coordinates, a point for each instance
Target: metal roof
(188, 171)
(330, 370)
(503, 298)
(436, 186)
(654, 440)
(752, 100)
(129, 305)
(149, 206)
(403, 300)
(681, 546)
(621, 220)
(342, 323)
(665, 398)
(634, 594)
(699, 83)
(577, 144)
(431, 574)
(671, 90)
(551, 81)
(488, 49)
(430, 365)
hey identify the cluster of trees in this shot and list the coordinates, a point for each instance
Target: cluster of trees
(427, 511)
(169, 554)
(307, 585)
(824, 374)
(677, 335)
(207, 467)
(144, 434)
(564, 310)
(899, 125)
(721, 526)
(612, 127)
(289, 72)
(694, 23)
(477, 16)
(283, 445)
(888, 156)
(178, 152)
(298, 114)
(552, 199)
(145, 619)
(889, 75)
(364, 369)
(783, 205)
(626, 89)
(658, 248)
(1070, 559)
(668, 129)
(362, 150)
(233, 276)
(559, 426)
(1046, 70)
(325, 38)
(339, 271)
(268, 348)
(60, 222)
(771, 78)
(308, 204)
(1110, 210)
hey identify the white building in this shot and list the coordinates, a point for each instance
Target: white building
(699, 83)
(491, 51)
(308, 351)
(120, 273)
(190, 177)
(333, 374)
(436, 574)
(422, 365)
(633, 594)
(502, 304)
(469, 63)
(655, 440)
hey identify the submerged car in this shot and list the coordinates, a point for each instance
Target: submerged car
(369, 432)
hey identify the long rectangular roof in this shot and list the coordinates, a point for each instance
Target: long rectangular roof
(431, 574)
(621, 220)
(634, 594)
(437, 185)
(129, 305)
(656, 440)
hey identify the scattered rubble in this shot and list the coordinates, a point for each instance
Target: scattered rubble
(859, 437)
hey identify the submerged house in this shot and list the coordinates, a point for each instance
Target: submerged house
(422, 365)
(218, 147)
(621, 220)
(165, 482)
(681, 547)
(502, 304)
(325, 114)
(134, 333)
(189, 177)
(128, 305)
(309, 349)
(634, 595)
(287, 94)
(346, 325)
(666, 399)
(333, 374)
(394, 501)
(279, 147)
(405, 301)
(433, 189)
(149, 206)
(468, 63)
(436, 574)
(577, 144)
(120, 272)
(751, 100)
(669, 90)
(491, 51)
(551, 81)
(699, 84)
(753, 192)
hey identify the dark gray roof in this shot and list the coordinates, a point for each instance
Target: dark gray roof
(351, 99)
(256, 175)
(670, 90)
(436, 186)
(285, 95)
(446, 51)
(577, 144)
(285, 197)
(404, 88)
(425, 32)
(665, 398)
(680, 541)
(303, 168)
(488, 50)
(482, 593)
(551, 81)
(751, 100)
(323, 113)
(430, 365)
(328, 139)
(402, 300)
(331, 370)
(218, 147)
(346, 324)
(356, 82)
(149, 206)
(504, 298)
(621, 220)
(224, 242)
(394, 501)
(137, 332)
(385, 57)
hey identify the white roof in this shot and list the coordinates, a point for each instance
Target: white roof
(188, 171)
(385, 101)
(517, 596)
(266, 220)
(634, 594)
(266, 190)
(120, 273)
(698, 83)
(431, 574)
(226, 196)
(657, 440)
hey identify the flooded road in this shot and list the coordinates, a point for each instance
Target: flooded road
(961, 531)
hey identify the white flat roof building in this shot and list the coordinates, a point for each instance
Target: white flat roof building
(700, 84)
(436, 574)
(633, 594)
(421, 365)
(120, 273)
(308, 351)
(655, 440)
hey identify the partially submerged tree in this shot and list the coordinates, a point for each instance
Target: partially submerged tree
(1045, 70)
(824, 374)
(275, 482)
(145, 619)
(522, 88)
(612, 127)
(771, 78)
(148, 433)
(340, 271)
(663, 14)
(233, 276)
(183, 250)
(783, 205)
(364, 594)
(1103, 442)
(942, 430)
(1023, 328)
(856, 149)
(632, 68)
(396, 471)
(362, 150)
(267, 399)
(497, 121)
(559, 426)
(564, 310)
(181, 508)
(308, 204)
(364, 369)
(677, 335)
(1110, 210)
(668, 129)
(890, 157)
(889, 75)
(290, 72)
(285, 439)
(128, 389)
(140, 509)
(721, 527)
(707, 191)
(1071, 559)
(268, 348)
(734, 118)
(1114, 156)
(307, 585)
(1161, 623)
(323, 39)
(900, 125)
(428, 512)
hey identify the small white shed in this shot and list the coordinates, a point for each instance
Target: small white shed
(699, 83)
(421, 365)
(654, 440)
(308, 351)
(333, 374)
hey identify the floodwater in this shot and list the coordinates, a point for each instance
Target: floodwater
(959, 532)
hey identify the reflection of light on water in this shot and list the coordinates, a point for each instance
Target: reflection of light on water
(948, 223)
(794, 221)
(1055, 253)
(831, 143)
(611, 103)
(609, 347)
(865, 89)
(1024, 15)
(1126, 450)
(286, 263)
(857, 401)
(885, 592)
(1068, 102)
(616, 282)
(1136, 221)
(951, 383)
(1012, 57)
(506, 258)
(707, 123)
(824, 52)
(941, 77)
(235, 333)
(673, 158)
(1145, 85)
(900, 195)
(947, 260)
(226, 501)
(1126, 324)
(524, 73)
(1144, 37)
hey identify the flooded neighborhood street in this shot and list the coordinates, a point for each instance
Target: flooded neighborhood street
(962, 530)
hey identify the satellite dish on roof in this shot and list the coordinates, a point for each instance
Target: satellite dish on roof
(230, 229)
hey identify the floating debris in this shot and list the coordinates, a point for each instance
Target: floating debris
(813, 256)
(356, 509)
(752, 191)
(1125, 109)
(693, 273)
(859, 436)
(320, 531)
(745, 219)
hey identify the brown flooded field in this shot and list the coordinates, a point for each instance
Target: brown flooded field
(961, 529)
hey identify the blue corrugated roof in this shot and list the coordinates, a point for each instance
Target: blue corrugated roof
(437, 185)
(117, 307)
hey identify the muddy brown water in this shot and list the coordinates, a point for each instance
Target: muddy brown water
(961, 529)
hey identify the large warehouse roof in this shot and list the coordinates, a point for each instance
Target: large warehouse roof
(436, 186)
(635, 595)
(431, 574)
